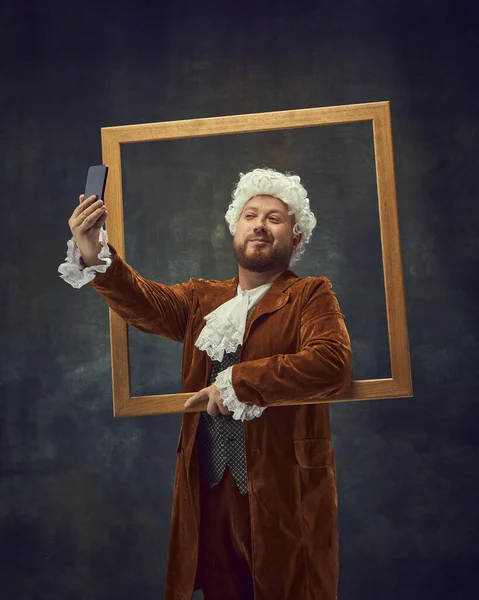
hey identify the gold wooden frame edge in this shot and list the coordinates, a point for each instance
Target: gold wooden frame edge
(400, 383)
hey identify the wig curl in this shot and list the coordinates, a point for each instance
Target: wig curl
(284, 186)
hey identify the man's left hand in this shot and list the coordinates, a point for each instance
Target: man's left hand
(215, 403)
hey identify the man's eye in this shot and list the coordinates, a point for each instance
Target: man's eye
(250, 216)
(274, 219)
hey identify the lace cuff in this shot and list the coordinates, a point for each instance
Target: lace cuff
(241, 412)
(73, 270)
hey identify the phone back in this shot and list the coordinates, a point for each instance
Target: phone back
(96, 181)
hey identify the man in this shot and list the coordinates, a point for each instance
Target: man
(255, 503)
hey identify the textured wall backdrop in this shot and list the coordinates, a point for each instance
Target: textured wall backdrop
(85, 499)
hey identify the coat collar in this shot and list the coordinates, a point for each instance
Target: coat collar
(212, 294)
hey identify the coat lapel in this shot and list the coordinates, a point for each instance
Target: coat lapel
(212, 294)
(274, 299)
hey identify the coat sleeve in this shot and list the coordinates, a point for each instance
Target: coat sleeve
(322, 366)
(147, 305)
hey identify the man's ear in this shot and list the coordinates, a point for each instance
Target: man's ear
(296, 240)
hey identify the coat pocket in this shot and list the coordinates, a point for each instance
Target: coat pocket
(314, 453)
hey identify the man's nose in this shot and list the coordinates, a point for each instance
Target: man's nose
(259, 226)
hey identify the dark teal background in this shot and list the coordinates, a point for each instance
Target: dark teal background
(84, 498)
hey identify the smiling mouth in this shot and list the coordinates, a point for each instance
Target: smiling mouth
(261, 241)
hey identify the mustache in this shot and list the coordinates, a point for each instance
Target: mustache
(258, 237)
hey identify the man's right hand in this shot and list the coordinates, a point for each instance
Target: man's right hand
(85, 223)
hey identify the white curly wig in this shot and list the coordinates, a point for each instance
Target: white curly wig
(287, 188)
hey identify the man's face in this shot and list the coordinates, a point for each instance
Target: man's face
(264, 239)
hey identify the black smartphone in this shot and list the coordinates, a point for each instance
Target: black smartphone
(96, 181)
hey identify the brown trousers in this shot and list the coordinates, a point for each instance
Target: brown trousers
(224, 562)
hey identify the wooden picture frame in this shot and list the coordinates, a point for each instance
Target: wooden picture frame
(399, 385)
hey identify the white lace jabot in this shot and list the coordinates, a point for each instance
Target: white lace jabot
(224, 332)
(225, 326)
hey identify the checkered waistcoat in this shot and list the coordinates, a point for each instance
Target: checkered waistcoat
(220, 439)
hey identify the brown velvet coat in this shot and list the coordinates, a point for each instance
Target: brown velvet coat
(296, 348)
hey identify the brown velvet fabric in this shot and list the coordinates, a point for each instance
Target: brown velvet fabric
(296, 347)
(224, 566)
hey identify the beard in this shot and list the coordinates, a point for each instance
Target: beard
(260, 259)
